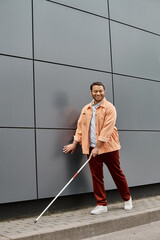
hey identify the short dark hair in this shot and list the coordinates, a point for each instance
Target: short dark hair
(97, 83)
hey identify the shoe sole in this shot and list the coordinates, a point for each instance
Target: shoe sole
(98, 213)
(128, 208)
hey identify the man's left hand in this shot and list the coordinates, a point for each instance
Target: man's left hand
(95, 152)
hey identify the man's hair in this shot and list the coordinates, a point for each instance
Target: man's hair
(97, 83)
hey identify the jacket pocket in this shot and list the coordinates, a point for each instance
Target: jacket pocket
(84, 119)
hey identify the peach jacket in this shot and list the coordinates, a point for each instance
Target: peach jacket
(105, 119)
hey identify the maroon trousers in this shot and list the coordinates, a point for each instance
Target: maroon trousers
(111, 160)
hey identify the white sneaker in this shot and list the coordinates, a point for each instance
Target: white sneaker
(99, 209)
(128, 204)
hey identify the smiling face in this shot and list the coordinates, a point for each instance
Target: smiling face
(97, 93)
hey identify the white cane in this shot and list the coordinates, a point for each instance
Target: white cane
(63, 189)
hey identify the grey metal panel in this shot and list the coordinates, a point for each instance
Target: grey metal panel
(72, 37)
(16, 92)
(143, 14)
(135, 52)
(137, 103)
(55, 168)
(61, 92)
(140, 157)
(16, 27)
(98, 7)
(17, 171)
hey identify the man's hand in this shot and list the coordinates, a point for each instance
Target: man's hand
(69, 148)
(94, 152)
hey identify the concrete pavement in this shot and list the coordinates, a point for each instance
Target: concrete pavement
(149, 231)
(80, 224)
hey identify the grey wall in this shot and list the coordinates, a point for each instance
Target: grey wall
(50, 53)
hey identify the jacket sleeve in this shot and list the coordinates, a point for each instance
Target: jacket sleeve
(78, 133)
(108, 125)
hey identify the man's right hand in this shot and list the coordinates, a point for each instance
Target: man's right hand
(69, 148)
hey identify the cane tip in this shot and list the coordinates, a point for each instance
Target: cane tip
(35, 221)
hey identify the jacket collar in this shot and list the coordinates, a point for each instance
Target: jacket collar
(101, 105)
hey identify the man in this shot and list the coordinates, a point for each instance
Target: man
(97, 134)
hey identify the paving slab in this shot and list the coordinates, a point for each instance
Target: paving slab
(80, 224)
(149, 231)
